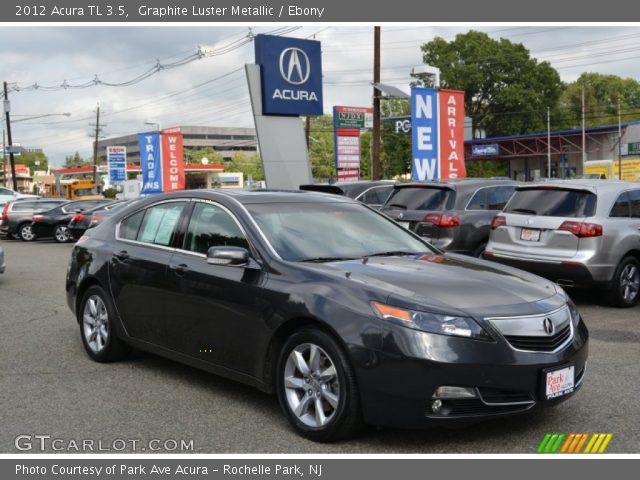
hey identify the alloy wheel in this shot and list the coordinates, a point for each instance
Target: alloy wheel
(26, 233)
(95, 323)
(311, 384)
(62, 234)
(630, 282)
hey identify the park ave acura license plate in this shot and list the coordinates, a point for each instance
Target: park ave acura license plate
(559, 382)
(530, 235)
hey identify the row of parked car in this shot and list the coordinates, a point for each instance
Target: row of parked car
(577, 233)
(28, 219)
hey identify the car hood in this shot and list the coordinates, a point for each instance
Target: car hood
(445, 281)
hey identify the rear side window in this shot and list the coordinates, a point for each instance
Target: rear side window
(621, 207)
(375, 195)
(419, 198)
(550, 202)
(44, 206)
(160, 222)
(23, 206)
(634, 203)
(130, 226)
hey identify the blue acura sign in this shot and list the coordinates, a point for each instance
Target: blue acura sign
(291, 70)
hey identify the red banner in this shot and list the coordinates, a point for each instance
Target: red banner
(172, 160)
(452, 134)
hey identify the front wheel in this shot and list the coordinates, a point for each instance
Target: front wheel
(96, 318)
(61, 234)
(625, 286)
(317, 388)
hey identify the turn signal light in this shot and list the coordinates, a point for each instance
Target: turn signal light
(78, 217)
(582, 229)
(37, 218)
(442, 220)
(498, 221)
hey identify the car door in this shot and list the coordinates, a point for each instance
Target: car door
(215, 312)
(138, 269)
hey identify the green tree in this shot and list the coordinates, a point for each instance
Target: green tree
(321, 148)
(195, 155)
(395, 148)
(506, 91)
(31, 158)
(249, 165)
(601, 94)
(75, 160)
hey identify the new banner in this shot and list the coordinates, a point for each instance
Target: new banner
(291, 75)
(172, 160)
(151, 163)
(424, 137)
(452, 134)
(117, 163)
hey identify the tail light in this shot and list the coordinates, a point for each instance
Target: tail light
(498, 221)
(37, 218)
(442, 220)
(5, 209)
(96, 219)
(78, 217)
(582, 229)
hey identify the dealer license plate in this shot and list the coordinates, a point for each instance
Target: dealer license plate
(404, 224)
(530, 235)
(559, 382)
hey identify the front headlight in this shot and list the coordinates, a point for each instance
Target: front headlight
(573, 311)
(431, 322)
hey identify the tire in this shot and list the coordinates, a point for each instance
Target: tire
(61, 234)
(479, 250)
(26, 233)
(336, 395)
(625, 286)
(98, 334)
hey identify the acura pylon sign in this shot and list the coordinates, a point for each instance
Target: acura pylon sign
(291, 75)
(437, 121)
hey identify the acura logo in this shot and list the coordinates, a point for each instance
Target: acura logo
(400, 215)
(294, 66)
(548, 326)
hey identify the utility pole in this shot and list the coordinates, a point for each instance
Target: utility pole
(584, 135)
(619, 141)
(549, 141)
(95, 147)
(7, 109)
(375, 147)
(307, 129)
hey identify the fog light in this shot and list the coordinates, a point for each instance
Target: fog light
(436, 406)
(455, 392)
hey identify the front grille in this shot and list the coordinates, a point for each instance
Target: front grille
(494, 395)
(540, 343)
(474, 407)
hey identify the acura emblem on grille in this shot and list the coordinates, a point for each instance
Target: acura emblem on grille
(548, 326)
(400, 215)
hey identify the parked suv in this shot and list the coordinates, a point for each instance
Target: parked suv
(15, 220)
(576, 233)
(370, 192)
(454, 215)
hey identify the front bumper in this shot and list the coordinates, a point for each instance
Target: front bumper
(397, 384)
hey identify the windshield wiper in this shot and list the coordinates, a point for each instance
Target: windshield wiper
(326, 259)
(393, 253)
(524, 210)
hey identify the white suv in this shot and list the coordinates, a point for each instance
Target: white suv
(574, 232)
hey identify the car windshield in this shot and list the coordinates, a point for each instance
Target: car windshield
(331, 231)
(552, 202)
(419, 198)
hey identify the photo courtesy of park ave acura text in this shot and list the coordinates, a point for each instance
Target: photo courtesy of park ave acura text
(325, 238)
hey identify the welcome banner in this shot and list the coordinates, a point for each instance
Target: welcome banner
(172, 160)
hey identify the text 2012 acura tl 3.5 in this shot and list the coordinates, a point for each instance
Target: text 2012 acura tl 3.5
(348, 317)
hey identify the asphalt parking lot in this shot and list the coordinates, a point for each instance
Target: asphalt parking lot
(48, 386)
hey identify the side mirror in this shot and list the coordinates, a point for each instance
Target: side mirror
(235, 256)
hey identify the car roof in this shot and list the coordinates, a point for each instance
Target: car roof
(459, 183)
(247, 197)
(592, 185)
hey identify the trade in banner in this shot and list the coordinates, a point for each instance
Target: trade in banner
(151, 162)
(117, 163)
(172, 160)
(437, 118)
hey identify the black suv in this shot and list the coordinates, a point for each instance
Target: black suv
(454, 215)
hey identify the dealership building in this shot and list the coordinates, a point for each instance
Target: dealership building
(225, 140)
(528, 155)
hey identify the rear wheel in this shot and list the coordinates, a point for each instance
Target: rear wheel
(26, 232)
(317, 388)
(61, 234)
(625, 286)
(96, 318)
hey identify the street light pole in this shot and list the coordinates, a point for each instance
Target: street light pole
(549, 141)
(7, 109)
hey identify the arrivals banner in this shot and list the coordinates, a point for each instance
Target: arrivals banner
(437, 134)
(117, 163)
(452, 134)
(172, 160)
(424, 134)
(151, 162)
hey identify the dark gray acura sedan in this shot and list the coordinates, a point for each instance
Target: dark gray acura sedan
(348, 317)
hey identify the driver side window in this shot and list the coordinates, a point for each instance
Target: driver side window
(212, 226)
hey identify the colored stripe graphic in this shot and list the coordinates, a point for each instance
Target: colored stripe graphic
(554, 442)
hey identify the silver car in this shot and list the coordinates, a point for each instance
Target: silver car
(575, 232)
